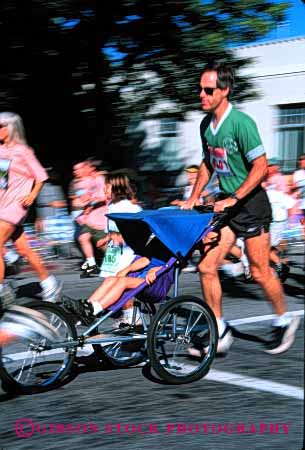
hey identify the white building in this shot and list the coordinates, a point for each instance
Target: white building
(278, 72)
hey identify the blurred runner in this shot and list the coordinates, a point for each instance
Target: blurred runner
(21, 178)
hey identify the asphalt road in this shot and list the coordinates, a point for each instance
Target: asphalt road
(248, 401)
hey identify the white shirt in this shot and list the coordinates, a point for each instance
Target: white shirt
(280, 204)
(123, 206)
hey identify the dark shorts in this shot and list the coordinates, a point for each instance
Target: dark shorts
(96, 235)
(17, 233)
(251, 216)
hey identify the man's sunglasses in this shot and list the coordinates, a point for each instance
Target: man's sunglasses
(208, 90)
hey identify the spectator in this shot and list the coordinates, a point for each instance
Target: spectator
(274, 177)
(92, 220)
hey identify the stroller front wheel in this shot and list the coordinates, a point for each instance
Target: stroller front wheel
(182, 340)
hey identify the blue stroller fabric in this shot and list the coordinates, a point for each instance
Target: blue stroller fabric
(178, 230)
(157, 291)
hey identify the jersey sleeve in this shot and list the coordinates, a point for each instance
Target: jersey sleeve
(249, 139)
(34, 166)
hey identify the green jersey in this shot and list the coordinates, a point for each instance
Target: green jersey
(231, 147)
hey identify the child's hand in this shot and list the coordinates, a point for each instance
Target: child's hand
(151, 276)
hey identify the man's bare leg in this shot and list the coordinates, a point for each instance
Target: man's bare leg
(258, 251)
(209, 265)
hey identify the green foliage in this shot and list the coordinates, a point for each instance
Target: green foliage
(133, 53)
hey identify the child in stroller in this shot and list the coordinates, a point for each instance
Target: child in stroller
(144, 268)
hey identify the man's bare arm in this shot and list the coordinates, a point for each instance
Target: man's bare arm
(255, 177)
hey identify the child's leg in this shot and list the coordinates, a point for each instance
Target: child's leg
(106, 286)
(114, 289)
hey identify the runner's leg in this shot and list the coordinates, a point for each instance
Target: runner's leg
(258, 251)
(208, 268)
(33, 258)
(6, 230)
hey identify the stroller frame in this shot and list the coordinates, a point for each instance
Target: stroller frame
(182, 327)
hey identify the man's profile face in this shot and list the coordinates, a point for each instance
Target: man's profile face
(212, 96)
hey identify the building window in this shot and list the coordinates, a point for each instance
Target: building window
(290, 135)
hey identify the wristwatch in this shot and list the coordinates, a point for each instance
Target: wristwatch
(233, 195)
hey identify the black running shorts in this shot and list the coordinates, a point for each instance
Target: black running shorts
(251, 216)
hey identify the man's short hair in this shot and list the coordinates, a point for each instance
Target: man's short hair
(225, 74)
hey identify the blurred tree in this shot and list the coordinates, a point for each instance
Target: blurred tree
(79, 70)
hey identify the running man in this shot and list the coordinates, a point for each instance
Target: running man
(233, 148)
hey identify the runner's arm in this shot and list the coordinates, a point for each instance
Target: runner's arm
(202, 180)
(29, 199)
(256, 175)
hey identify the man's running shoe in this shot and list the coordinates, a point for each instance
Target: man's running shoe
(82, 309)
(52, 295)
(225, 341)
(282, 338)
(26, 323)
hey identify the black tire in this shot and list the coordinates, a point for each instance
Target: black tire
(127, 354)
(184, 325)
(33, 368)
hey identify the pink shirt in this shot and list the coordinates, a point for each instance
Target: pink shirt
(94, 188)
(19, 170)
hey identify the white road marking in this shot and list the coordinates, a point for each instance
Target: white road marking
(261, 318)
(255, 383)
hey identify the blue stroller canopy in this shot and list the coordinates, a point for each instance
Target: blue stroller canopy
(178, 230)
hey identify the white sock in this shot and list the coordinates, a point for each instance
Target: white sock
(244, 260)
(97, 307)
(221, 324)
(91, 261)
(11, 256)
(282, 321)
(49, 283)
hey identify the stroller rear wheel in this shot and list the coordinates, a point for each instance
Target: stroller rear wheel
(32, 365)
(182, 340)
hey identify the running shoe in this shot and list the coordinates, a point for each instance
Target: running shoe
(90, 270)
(52, 295)
(81, 309)
(282, 338)
(225, 341)
(27, 323)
